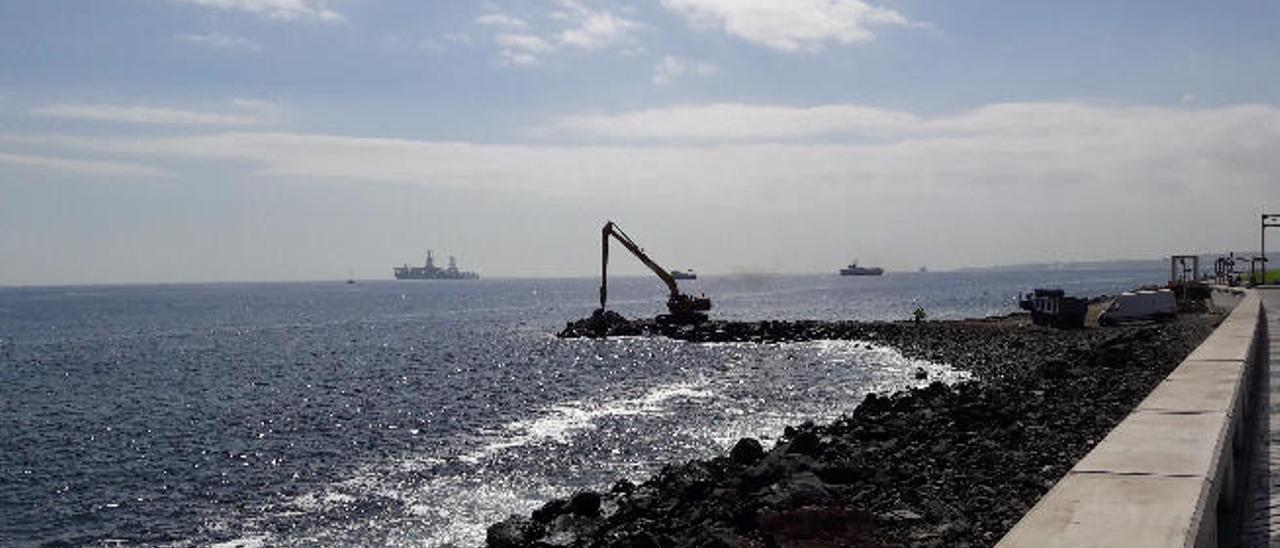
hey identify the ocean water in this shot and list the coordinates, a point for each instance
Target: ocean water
(411, 413)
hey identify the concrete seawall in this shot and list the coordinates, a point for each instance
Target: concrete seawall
(1172, 473)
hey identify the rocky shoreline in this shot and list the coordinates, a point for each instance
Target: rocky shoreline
(937, 466)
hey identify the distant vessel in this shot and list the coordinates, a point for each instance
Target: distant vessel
(924, 269)
(684, 275)
(430, 271)
(854, 270)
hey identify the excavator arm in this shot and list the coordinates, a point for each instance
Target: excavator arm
(680, 305)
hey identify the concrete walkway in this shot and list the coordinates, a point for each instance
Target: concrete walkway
(1261, 519)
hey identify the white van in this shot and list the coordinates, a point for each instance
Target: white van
(1140, 306)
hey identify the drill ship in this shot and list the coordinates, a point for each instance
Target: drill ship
(430, 271)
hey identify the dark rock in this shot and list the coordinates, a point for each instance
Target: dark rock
(900, 515)
(804, 489)
(746, 451)
(601, 323)
(622, 486)
(586, 503)
(1055, 369)
(804, 443)
(640, 539)
(514, 532)
(550, 510)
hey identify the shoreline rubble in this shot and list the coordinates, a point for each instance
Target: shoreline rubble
(935, 466)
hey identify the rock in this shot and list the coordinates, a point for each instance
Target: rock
(601, 323)
(1055, 369)
(805, 443)
(803, 489)
(585, 503)
(639, 539)
(622, 486)
(550, 510)
(900, 515)
(746, 451)
(514, 532)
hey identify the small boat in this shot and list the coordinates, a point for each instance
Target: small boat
(684, 275)
(854, 270)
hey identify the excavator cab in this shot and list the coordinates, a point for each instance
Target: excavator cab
(685, 309)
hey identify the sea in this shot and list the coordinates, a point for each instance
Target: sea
(415, 413)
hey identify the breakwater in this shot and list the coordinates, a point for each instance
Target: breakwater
(1171, 473)
(941, 465)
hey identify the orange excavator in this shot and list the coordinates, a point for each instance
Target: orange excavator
(683, 308)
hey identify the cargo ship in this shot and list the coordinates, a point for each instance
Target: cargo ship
(683, 275)
(854, 270)
(430, 271)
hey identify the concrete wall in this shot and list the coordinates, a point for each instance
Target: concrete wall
(1224, 298)
(1171, 473)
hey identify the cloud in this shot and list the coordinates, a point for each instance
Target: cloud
(578, 27)
(250, 113)
(596, 30)
(1027, 150)
(994, 184)
(501, 20)
(736, 122)
(671, 68)
(283, 10)
(521, 49)
(793, 25)
(721, 122)
(220, 41)
(109, 169)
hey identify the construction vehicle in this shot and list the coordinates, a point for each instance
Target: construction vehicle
(684, 309)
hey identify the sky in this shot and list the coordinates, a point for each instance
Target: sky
(146, 141)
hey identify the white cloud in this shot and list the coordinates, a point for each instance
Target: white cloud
(596, 30)
(579, 26)
(285, 10)
(1094, 154)
(501, 20)
(91, 167)
(792, 25)
(1008, 182)
(735, 122)
(250, 113)
(671, 68)
(220, 41)
(263, 111)
(521, 49)
(722, 122)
